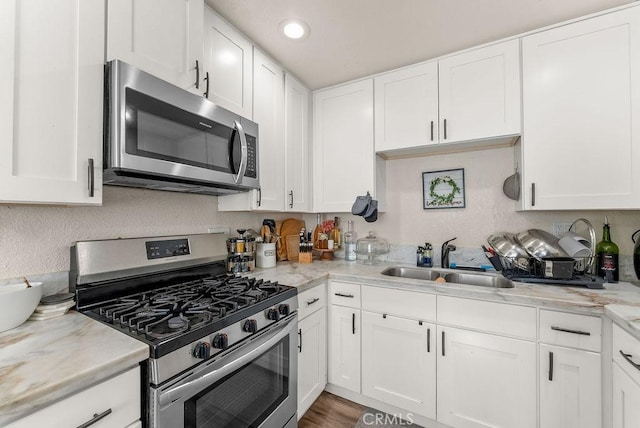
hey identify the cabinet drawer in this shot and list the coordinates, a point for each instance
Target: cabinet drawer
(402, 303)
(311, 300)
(120, 396)
(344, 294)
(512, 320)
(629, 345)
(572, 330)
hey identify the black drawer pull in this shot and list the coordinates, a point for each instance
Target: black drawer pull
(344, 295)
(443, 343)
(92, 184)
(353, 323)
(384, 316)
(428, 340)
(629, 360)
(300, 340)
(96, 418)
(312, 301)
(551, 366)
(566, 330)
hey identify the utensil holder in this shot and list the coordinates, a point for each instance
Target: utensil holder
(305, 258)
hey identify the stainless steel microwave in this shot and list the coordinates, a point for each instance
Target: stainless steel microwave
(162, 137)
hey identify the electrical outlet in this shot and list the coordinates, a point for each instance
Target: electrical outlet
(561, 227)
(219, 229)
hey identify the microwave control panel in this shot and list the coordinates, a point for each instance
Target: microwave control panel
(251, 170)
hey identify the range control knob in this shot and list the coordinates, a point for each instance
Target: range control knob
(202, 350)
(273, 314)
(283, 309)
(220, 341)
(250, 326)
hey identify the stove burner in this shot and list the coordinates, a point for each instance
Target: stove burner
(172, 310)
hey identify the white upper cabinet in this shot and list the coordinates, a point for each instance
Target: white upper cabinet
(228, 59)
(297, 145)
(268, 113)
(161, 37)
(581, 93)
(344, 162)
(480, 93)
(51, 89)
(406, 107)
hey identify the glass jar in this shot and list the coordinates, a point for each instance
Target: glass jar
(371, 248)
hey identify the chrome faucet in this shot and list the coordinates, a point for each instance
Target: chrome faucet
(444, 252)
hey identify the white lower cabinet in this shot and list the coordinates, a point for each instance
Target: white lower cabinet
(570, 388)
(312, 358)
(485, 380)
(118, 399)
(626, 379)
(399, 362)
(344, 347)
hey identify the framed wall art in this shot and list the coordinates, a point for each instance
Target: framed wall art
(443, 189)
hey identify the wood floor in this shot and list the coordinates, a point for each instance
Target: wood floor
(331, 411)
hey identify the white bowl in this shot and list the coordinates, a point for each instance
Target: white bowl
(18, 303)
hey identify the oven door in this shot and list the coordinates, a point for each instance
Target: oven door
(252, 386)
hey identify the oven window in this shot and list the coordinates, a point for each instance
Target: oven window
(246, 397)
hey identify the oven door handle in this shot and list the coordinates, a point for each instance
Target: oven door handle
(243, 148)
(192, 387)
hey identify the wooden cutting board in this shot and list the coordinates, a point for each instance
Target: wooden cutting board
(288, 227)
(293, 247)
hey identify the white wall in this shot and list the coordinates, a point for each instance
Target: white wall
(36, 239)
(487, 209)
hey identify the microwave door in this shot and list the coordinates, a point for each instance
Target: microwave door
(238, 152)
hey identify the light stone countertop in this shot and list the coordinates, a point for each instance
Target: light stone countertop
(44, 361)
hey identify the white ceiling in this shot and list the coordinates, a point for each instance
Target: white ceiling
(356, 38)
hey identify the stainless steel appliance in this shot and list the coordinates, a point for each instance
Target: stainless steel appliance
(162, 137)
(222, 348)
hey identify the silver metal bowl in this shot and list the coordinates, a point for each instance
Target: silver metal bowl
(540, 244)
(506, 246)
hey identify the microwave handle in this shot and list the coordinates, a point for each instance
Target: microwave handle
(243, 160)
(264, 343)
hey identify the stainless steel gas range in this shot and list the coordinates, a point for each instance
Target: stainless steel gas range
(221, 347)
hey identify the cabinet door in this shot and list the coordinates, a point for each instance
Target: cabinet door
(570, 388)
(51, 102)
(161, 37)
(480, 93)
(399, 362)
(344, 347)
(406, 107)
(312, 359)
(297, 166)
(485, 380)
(228, 60)
(343, 152)
(626, 396)
(581, 93)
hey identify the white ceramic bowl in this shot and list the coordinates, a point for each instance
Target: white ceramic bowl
(17, 303)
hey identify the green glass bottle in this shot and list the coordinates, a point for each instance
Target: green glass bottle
(607, 255)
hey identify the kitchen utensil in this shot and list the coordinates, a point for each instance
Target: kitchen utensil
(293, 247)
(506, 246)
(540, 244)
(511, 186)
(575, 245)
(636, 253)
(18, 304)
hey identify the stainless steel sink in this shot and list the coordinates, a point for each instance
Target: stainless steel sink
(453, 277)
(413, 273)
(481, 280)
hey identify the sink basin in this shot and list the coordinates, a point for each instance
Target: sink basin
(413, 273)
(453, 277)
(482, 280)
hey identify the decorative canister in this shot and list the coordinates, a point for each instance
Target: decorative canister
(266, 255)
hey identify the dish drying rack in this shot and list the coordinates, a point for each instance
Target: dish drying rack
(568, 271)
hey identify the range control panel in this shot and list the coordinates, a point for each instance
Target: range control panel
(171, 248)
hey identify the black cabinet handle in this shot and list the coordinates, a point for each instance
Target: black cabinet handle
(551, 366)
(384, 316)
(260, 196)
(445, 129)
(291, 196)
(299, 340)
(443, 343)
(197, 75)
(566, 330)
(428, 340)
(206, 79)
(629, 360)
(432, 130)
(312, 301)
(344, 295)
(96, 417)
(353, 323)
(92, 184)
(533, 194)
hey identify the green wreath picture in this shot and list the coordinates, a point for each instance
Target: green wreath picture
(441, 190)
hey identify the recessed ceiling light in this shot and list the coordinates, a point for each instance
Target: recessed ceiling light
(294, 29)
